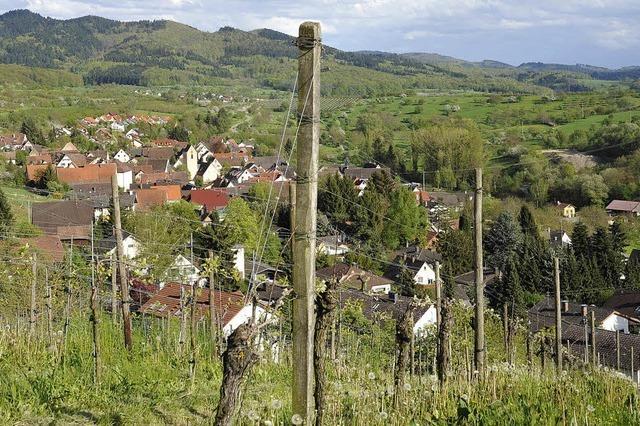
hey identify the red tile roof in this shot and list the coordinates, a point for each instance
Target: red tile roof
(211, 199)
(147, 198)
(92, 173)
(34, 171)
(166, 302)
(174, 192)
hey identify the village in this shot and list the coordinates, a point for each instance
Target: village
(151, 174)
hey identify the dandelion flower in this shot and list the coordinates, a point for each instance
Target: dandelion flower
(372, 376)
(253, 416)
(407, 386)
(276, 404)
(297, 419)
(383, 415)
(268, 423)
(590, 408)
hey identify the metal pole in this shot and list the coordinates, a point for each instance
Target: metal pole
(479, 347)
(124, 285)
(556, 267)
(304, 237)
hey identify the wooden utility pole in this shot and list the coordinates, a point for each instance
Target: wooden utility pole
(114, 289)
(94, 317)
(593, 339)
(479, 348)
(124, 285)
(632, 362)
(34, 284)
(304, 236)
(438, 297)
(556, 267)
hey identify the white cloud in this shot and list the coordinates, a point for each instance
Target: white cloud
(508, 30)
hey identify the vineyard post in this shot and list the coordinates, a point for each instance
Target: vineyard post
(304, 236)
(438, 296)
(34, 283)
(556, 267)
(94, 317)
(48, 306)
(618, 350)
(114, 289)
(479, 346)
(594, 360)
(124, 285)
(212, 311)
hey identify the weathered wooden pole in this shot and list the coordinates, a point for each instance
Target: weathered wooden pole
(94, 317)
(48, 306)
(114, 289)
(632, 361)
(479, 347)
(304, 237)
(438, 297)
(618, 350)
(192, 332)
(124, 284)
(34, 285)
(212, 310)
(593, 339)
(556, 267)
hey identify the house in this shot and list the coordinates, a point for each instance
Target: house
(386, 307)
(232, 309)
(627, 302)
(132, 135)
(188, 158)
(166, 142)
(35, 172)
(91, 173)
(464, 285)
(174, 192)
(559, 238)
(146, 199)
(542, 315)
(146, 176)
(69, 147)
(72, 160)
(237, 175)
(125, 175)
(156, 165)
(210, 199)
(349, 276)
(622, 207)
(13, 141)
(331, 245)
(566, 210)
(106, 247)
(158, 153)
(69, 220)
(117, 127)
(418, 261)
(182, 270)
(122, 156)
(209, 171)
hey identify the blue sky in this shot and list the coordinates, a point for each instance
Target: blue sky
(597, 32)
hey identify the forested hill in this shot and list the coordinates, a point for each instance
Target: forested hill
(166, 53)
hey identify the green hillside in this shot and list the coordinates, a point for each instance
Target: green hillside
(169, 53)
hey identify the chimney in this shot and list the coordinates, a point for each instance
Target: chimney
(393, 296)
(583, 310)
(565, 306)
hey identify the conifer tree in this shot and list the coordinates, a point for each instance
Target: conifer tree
(528, 223)
(502, 241)
(6, 216)
(580, 240)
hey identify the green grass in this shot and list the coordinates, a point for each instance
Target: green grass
(151, 384)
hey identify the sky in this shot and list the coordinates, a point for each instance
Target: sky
(595, 32)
